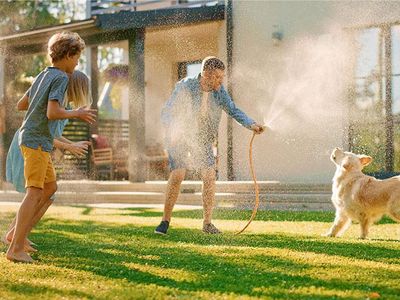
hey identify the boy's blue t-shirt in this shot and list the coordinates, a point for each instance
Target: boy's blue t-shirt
(37, 130)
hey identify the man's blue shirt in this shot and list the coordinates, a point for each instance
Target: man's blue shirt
(182, 111)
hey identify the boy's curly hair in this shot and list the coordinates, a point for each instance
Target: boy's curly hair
(64, 44)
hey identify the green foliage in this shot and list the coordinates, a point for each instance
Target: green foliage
(370, 139)
(22, 15)
(17, 16)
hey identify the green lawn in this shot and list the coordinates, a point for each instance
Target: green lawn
(93, 253)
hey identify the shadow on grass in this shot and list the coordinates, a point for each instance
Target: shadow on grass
(107, 250)
(235, 214)
(30, 290)
(87, 211)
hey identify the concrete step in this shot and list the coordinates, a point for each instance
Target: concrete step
(189, 187)
(273, 195)
(222, 199)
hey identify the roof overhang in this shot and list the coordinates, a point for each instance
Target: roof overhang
(161, 17)
(107, 28)
(34, 41)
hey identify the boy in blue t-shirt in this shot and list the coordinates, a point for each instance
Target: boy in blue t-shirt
(44, 105)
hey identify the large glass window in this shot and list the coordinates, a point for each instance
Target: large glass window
(395, 92)
(368, 108)
(113, 100)
(375, 109)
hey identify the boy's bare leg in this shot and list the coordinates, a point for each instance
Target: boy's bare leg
(171, 195)
(48, 191)
(25, 215)
(208, 177)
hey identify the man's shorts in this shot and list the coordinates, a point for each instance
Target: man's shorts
(190, 157)
(38, 167)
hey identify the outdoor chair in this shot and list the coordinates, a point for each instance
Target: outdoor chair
(102, 158)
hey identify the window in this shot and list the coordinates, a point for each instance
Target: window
(375, 109)
(197, 3)
(189, 69)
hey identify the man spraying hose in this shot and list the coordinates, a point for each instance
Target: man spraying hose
(191, 118)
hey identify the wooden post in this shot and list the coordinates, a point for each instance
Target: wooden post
(229, 48)
(94, 80)
(136, 163)
(389, 162)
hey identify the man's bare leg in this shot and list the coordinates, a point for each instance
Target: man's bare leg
(173, 187)
(208, 194)
(208, 177)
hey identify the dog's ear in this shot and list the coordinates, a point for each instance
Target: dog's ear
(365, 160)
(347, 166)
(336, 153)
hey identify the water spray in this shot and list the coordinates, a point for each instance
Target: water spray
(253, 174)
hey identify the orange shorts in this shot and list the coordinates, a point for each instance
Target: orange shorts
(38, 167)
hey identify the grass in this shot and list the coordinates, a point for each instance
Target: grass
(93, 253)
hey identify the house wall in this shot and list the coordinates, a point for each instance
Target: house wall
(297, 85)
(164, 49)
(301, 80)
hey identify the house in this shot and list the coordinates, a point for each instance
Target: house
(317, 72)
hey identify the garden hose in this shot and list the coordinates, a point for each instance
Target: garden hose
(256, 204)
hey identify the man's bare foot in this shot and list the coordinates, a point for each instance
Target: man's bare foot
(21, 257)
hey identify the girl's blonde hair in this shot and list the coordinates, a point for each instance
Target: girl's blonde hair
(78, 91)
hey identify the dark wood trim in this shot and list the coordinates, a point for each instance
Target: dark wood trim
(105, 37)
(137, 119)
(161, 17)
(114, 27)
(94, 80)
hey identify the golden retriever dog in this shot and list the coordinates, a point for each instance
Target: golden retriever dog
(358, 197)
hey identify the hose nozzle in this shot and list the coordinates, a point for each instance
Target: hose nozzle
(264, 127)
